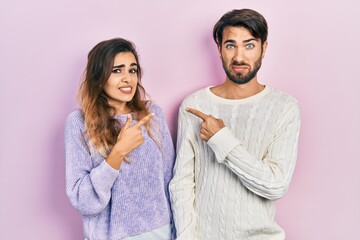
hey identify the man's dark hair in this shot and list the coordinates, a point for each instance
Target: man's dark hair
(253, 21)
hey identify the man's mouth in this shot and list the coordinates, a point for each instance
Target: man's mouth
(240, 67)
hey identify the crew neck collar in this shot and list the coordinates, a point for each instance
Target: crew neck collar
(237, 101)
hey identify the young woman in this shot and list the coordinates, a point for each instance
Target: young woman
(119, 153)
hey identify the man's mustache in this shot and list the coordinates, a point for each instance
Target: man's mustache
(236, 63)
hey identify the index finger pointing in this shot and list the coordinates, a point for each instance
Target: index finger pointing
(197, 113)
(128, 121)
(144, 119)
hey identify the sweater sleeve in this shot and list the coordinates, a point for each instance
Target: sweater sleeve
(182, 186)
(168, 151)
(270, 176)
(88, 187)
(167, 147)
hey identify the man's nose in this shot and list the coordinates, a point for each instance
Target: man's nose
(238, 56)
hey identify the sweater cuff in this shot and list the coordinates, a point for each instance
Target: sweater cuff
(222, 143)
(105, 174)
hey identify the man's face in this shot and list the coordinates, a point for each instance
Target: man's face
(241, 54)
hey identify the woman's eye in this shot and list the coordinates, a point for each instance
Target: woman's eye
(133, 70)
(116, 70)
(250, 46)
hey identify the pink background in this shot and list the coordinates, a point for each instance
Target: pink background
(313, 54)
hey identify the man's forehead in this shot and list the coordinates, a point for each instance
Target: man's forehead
(237, 34)
(236, 31)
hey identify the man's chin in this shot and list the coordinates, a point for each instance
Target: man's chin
(239, 81)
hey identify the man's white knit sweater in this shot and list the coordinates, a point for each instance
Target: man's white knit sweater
(224, 188)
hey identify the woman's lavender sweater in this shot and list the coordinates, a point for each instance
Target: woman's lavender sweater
(117, 204)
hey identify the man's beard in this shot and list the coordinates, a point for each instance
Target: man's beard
(239, 78)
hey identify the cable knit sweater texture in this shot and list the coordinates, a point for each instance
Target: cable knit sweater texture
(117, 204)
(224, 189)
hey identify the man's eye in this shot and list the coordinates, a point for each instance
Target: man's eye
(133, 70)
(230, 46)
(249, 46)
(116, 70)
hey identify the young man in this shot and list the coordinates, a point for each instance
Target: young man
(237, 143)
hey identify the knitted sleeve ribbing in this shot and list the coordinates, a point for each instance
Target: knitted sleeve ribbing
(182, 186)
(270, 176)
(88, 187)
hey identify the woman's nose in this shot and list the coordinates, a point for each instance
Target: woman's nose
(126, 78)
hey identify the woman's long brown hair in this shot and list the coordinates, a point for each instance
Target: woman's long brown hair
(100, 125)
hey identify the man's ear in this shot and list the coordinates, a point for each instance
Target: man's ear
(219, 49)
(264, 46)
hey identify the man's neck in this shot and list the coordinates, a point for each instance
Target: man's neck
(231, 90)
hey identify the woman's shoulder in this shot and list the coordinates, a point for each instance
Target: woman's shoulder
(155, 108)
(75, 118)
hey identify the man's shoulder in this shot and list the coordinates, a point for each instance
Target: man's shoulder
(283, 101)
(282, 97)
(195, 96)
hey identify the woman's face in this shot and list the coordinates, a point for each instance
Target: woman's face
(121, 85)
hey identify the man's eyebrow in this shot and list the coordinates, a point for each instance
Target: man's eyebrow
(230, 41)
(250, 39)
(244, 41)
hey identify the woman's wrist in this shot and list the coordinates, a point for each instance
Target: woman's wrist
(115, 159)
